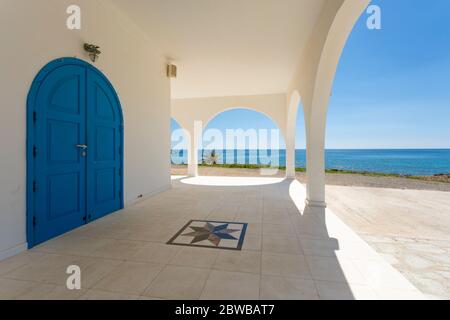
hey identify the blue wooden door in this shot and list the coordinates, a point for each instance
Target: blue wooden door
(104, 187)
(74, 156)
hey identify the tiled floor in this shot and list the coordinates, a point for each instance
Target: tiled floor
(286, 254)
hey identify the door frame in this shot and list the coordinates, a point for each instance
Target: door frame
(31, 118)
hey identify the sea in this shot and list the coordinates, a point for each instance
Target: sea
(413, 162)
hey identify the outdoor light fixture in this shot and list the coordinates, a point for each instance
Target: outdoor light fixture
(93, 51)
(171, 71)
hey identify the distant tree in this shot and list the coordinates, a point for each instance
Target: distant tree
(212, 158)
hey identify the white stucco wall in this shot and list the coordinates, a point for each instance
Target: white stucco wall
(32, 34)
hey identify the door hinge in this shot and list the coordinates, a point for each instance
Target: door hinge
(34, 116)
(34, 186)
(34, 151)
(34, 221)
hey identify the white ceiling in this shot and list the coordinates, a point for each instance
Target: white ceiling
(227, 47)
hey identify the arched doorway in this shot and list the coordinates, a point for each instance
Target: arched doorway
(74, 149)
(243, 137)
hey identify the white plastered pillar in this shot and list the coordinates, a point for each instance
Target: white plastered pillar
(320, 61)
(194, 132)
(290, 156)
(315, 161)
(291, 126)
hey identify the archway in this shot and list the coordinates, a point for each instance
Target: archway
(242, 138)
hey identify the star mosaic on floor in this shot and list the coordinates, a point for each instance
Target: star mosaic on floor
(211, 234)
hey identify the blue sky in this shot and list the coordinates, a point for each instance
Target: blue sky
(392, 86)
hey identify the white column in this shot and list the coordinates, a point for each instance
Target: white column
(291, 130)
(290, 155)
(194, 141)
(315, 163)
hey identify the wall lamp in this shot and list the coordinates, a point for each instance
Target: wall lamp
(93, 51)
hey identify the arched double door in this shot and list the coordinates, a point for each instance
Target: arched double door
(75, 149)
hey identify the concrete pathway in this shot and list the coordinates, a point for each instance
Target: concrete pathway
(410, 228)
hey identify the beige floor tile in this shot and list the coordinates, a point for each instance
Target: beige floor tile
(278, 229)
(320, 247)
(344, 291)
(118, 249)
(222, 216)
(281, 244)
(106, 295)
(334, 269)
(155, 233)
(156, 252)
(381, 275)
(239, 261)
(52, 269)
(94, 269)
(195, 257)
(254, 229)
(252, 242)
(129, 277)
(45, 291)
(11, 289)
(276, 219)
(281, 288)
(144, 298)
(287, 265)
(62, 293)
(250, 210)
(47, 268)
(116, 231)
(18, 261)
(395, 294)
(222, 285)
(72, 245)
(176, 282)
(248, 218)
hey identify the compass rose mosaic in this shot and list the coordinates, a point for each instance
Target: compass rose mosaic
(211, 234)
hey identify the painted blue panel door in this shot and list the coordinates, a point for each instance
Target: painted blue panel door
(59, 184)
(104, 188)
(74, 164)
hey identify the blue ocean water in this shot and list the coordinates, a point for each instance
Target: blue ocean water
(408, 162)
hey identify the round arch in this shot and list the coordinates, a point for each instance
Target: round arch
(256, 110)
(252, 150)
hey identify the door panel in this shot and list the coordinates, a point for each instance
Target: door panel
(104, 159)
(60, 179)
(74, 139)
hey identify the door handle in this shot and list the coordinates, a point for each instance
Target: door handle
(82, 146)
